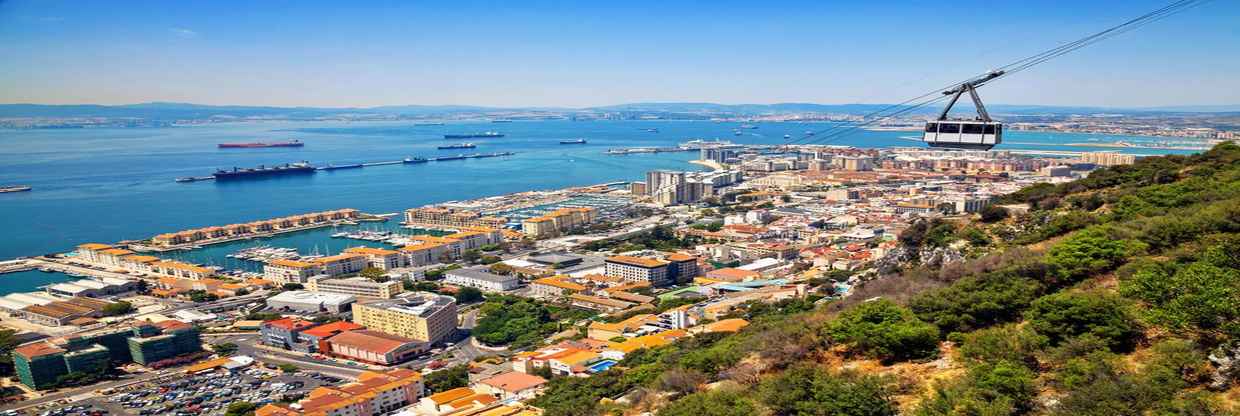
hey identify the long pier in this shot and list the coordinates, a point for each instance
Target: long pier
(406, 161)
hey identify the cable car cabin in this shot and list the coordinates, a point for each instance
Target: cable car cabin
(963, 134)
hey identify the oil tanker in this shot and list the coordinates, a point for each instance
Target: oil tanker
(259, 145)
(261, 171)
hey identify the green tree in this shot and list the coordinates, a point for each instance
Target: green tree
(1087, 252)
(1065, 315)
(993, 213)
(467, 295)
(118, 308)
(374, 273)
(240, 409)
(8, 341)
(471, 255)
(884, 330)
(224, 349)
(448, 378)
(288, 368)
(808, 390)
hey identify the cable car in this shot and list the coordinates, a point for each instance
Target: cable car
(980, 133)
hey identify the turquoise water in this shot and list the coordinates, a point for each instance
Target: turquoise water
(105, 185)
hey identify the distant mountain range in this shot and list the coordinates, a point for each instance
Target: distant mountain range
(184, 111)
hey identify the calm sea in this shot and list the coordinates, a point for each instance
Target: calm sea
(105, 185)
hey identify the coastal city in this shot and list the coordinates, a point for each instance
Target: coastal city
(408, 324)
(430, 208)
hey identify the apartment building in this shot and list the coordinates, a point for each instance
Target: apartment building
(481, 280)
(379, 258)
(422, 317)
(637, 269)
(341, 264)
(423, 254)
(356, 286)
(180, 270)
(282, 271)
(438, 218)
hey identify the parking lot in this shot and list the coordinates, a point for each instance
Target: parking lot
(202, 394)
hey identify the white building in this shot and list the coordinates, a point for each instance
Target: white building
(482, 280)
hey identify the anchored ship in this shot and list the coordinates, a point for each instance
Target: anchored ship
(575, 141)
(14, 188)
(458, 146)
(261, 170)
(483, 135)
(258, 145)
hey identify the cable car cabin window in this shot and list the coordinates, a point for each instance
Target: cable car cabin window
(970, 128)
(998, 129)
(949, 128)
(932, 127)
(990, 129)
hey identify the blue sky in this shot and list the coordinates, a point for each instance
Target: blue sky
(509, 53)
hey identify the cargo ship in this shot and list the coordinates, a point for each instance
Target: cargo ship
(443, 158)
(483, 135)
(260, 171)
(409, 160)
(426, 124)
(14, 188)
(575, 141)
(458, 146)
(259, 145)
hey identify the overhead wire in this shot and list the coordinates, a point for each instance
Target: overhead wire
(894, 110)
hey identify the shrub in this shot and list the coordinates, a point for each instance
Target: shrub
(976, 302)
(993, 213)
(884, 330)
(1001, 388)
(714, 403)
(1003, 343)
(807, 390)
(1087, 252)
(1066, 315)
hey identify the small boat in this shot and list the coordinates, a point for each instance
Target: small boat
(748, 126)
(787, 136)
(340, 235)
(575, 141)
(736, 133)
(14, 188)
(652, 130)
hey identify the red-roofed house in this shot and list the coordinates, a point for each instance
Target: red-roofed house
(374, 347)
(511, 385)
(317, 337)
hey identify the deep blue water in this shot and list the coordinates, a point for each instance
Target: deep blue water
(30, 281)
(105, 185)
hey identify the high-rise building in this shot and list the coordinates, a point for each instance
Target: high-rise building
(423, 317)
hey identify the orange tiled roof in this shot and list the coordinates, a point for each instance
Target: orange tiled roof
(636, 261)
